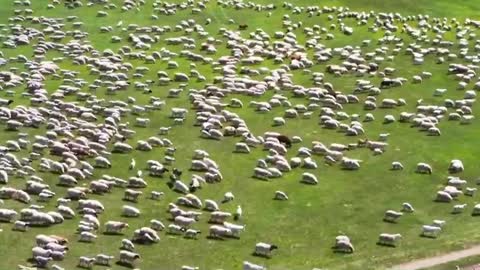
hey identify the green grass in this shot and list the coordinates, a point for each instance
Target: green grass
(463, 264)
(305, 226)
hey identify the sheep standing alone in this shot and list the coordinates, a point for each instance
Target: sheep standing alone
(264, 249)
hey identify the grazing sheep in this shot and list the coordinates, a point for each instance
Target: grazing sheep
(430, 231)
(20, 226)
(130, 211)
(115, 227)
(392, 216)
(252, 266)
(459, 208)
(424, 168)
(389, 239)
(264, 249)
(175, 229)
(280, 195)
(456, 166)
(102, 259)
(343, 244)
(217, 231)
(87, 237)
(443, 196)
(192, 234)
(397, 166)
(309, 178)
(407, 207)
(128, 258)
(156, 225)
(86, 262)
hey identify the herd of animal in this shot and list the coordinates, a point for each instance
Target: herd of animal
(86, 126)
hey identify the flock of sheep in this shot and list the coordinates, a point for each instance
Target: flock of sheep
(82, 137)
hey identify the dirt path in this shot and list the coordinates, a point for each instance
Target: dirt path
(440, 259)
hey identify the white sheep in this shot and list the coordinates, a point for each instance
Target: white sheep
(115, 227)
(128, 258)
(102, 259)
(264, 249)
(424, 168)
(389, 239)
(309, 178)
(430, 231)
(407, 207)
(127, 245)
(251, 266)
(87, 237)
(396, 165)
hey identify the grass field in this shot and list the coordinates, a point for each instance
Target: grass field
(304, 227)
(467, 264)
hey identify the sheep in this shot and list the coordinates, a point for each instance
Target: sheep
(175, 229)
(156, 225)
(20, 226)
(424, 168)
(131, 195)
(392, 216)
(42, 240)
(388, 119)
(350, 164)
(87, 237)
(184, 222)
(219, 217)
(456, 182)
(180, 187)
(3, 177)
(309, 163)
(39, 251)
(115, 227)
(470, 191)
(397, 166)
(102, 162)
(456, 166)
(389, 239)
(7, 215)
(94, 204)
(242, 148)
(458, 208)
(186, 267)
(343, 244)
(130, 211)
(132, 164)
(238, 213)
(145, 234)
(251, 266)
(309, 178)
(443, 196)
(211, 205)
(407, 207)
(156, 195)
(56, 247)
(86, 262)
(66, 211)
(128, 258)
(136, 182)
(264, 249)
(102, 259)
(127, 245)
(227, 197)
(430, 231)
(217, 231)
(41, 261)
(191, 233)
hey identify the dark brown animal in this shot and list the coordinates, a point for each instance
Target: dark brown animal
(285, 140)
